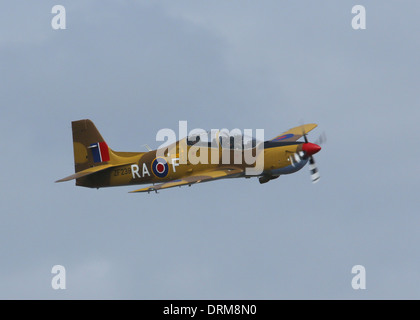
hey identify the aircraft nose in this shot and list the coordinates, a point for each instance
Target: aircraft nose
(310, 148)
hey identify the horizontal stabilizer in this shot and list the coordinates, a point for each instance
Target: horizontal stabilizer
(92, 170)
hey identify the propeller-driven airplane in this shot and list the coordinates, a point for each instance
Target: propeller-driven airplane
(97, 165)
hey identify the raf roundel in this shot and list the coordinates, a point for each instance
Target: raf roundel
(160, 168)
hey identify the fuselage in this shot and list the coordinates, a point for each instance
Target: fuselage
(270, 159)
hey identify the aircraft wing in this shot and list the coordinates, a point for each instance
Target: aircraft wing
(202, 176)
(295, 133)
(91, 171)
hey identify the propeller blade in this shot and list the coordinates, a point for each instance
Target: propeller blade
(314, 170)
(321, 139)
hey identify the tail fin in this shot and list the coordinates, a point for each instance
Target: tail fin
(89, 148)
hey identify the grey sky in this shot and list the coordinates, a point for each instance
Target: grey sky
(134, 67)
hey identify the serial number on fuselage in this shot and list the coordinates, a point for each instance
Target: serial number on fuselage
(122, 172)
